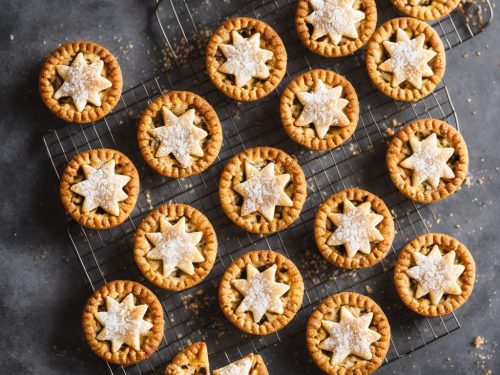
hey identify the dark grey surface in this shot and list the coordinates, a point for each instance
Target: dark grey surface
(42, 290)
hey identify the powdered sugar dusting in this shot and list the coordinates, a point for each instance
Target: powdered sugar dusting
(240, 367)
(262, 191)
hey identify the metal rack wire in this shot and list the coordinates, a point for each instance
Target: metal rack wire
(193, 314)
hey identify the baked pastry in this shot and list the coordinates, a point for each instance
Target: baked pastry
(261, 292)
(80, 82)
(123, 322)
(192, 360)
(175, 246)
(425, 10)
(246, 59)
(179, 134)
(405, 59)
(319, 109)
(335, 28)
(434, 274)
(427, 160)
(99, 188)
(262, 190)
(353, 229)
(249, 365)
(348, 333)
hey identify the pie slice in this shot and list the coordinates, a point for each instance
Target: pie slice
(192, 360)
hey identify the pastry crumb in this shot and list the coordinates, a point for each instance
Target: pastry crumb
(478, 341)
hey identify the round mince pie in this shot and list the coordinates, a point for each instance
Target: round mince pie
(252, 364)
(405, 59)
(246, 59)
(262, 189)
(335, 28)
(99, 188)
(192, 360)
(434, 274)
(123, 322)
(353, 229)
(427, 160)
(179, 134)
(261, 292)
(80, 82)
(175, 247)
(348, 333)
(425, 10)
(319, 109)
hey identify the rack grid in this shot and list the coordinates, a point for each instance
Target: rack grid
(194, 314)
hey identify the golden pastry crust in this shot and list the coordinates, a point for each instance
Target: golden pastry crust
(287, 273)
(179, 102)
(376, 54)
(324, 45)
(192, 360)
(234, 173)
(399, 149)
(195, 222)
(49, 81)
(73, 173)
(258, 365)
(405, 286)
(119, 289)
(329, 309)
(270, 40)
(432, 11)
(323, 229)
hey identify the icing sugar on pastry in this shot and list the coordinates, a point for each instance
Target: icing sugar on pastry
(408, 59)
(322, 107)
(428, 161)
(263, 190)
(436, 274)
(240, 367)
(82, 82)
(261, 292)
(351, 335)
(179, 136)
(245, 58)
(102, 188)
(175, 247)
(123, 323)
(335, 18)
(356, 228)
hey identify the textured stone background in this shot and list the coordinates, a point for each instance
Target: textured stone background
(42, 291)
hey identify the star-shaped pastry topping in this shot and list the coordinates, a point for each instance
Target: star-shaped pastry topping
(102, 188)
(356, 228)
(322, 107)
(335, 18)
(428, 161)
(175, 247)
(245, 59)
(179, 136)
(263, 191)
(261, 292)
(436, 274)
(408, 59)
(239, 367)
(82, 82)
(351, 335)
(123, 323)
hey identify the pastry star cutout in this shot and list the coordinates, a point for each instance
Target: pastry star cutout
(335, 18)
(356, 228)
(351, 335)
(428, 161)
(263, 191)
(82, 82)
(175, 247)
(179, 136)
(322, 107)
(245, 59)
(408, 59)
(123, 323)
(239, 367)
(102, 188)
(261, 293)
(436, 274)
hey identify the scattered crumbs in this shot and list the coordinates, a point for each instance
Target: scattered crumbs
(369, 289)
(469, 100)
(465, 55)
(478, 53)
(389, 132)
(438, 220)
(478, 341)
(11, 36)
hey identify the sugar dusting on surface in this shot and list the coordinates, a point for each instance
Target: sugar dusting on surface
(240, 367)
(259, 295)
(262, 191)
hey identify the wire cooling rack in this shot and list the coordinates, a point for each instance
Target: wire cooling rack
(194, 314)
